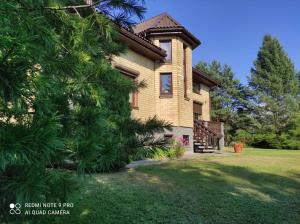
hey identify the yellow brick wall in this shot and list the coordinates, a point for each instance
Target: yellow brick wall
(203, 98)
(178, 110)
(146, 100)
(167, 108)
(185, 104)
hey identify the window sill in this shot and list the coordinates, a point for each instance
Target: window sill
(187, 98)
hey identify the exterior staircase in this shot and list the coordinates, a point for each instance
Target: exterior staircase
(207, 136)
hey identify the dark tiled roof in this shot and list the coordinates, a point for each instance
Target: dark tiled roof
(161, 21)
(138, 39)
(144, 39)
(165, 24)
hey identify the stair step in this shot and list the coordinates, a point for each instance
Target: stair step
(204, 150)
(198, 143)
(208, 150)
(201, 147)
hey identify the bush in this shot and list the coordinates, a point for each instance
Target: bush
(243, 137)
(174, 149)
(291, 138)
(288, 139)
(177, 146)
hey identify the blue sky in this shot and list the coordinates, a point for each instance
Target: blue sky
(231, 31)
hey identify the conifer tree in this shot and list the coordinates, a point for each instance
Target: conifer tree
(273, 79)
(229, 101)
(60, 98)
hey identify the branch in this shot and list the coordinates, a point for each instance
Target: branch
(68, 7)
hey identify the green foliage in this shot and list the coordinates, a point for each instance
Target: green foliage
(61, 102)
(126, 9)
(173, 149)
(275, 83)
(291, 138)
(243, 136)
(152, 153)
(177, 147)
(262, 113)
(229, 102)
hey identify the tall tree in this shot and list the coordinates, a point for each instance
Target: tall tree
(229, 100)
(60, 98)
(273, 79)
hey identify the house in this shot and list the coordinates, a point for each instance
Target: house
(160, 53)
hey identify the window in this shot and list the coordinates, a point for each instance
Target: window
(184, 71)
(185, 140)
(166, 84)
(197, 109)
(167, 46)
(196, 86)
(133, 99)
(131, 75)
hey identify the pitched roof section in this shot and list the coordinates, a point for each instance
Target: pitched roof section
(164, 24)
(141, 44)
(161, 21)
(205, 78)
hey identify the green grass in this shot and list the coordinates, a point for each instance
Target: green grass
(257, 186)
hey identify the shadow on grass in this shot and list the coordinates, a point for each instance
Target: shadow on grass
(234, 194)
(187, 193)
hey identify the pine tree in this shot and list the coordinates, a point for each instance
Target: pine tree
(273, 79)
(60, 98)
(229, 100)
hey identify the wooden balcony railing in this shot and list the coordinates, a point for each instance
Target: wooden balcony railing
(207, 135)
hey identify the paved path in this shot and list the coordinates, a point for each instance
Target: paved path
(186, 156)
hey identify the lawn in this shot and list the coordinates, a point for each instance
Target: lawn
(257, 186)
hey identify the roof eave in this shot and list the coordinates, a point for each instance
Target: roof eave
(141, 45)
(181, 31)
(212, 83)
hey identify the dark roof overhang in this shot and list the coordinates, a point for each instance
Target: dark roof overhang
(141, 45)
(205, 78)
(177, 31)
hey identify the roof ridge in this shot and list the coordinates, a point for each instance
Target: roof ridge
(160, 17)
(164, 23)
(152, 17)
(171, 18)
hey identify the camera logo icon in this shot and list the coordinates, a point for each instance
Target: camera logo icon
(15, 209)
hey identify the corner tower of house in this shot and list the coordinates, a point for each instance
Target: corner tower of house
(160, 53)
(173, 77)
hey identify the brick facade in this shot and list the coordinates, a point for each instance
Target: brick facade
(177, 108)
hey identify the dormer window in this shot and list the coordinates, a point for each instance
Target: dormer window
(167, 46)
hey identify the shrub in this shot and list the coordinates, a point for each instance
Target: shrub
(177, 145)
(291, 138)
(174, 149)
(243, 137)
